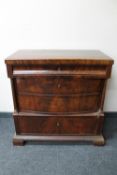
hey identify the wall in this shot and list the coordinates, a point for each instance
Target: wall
(59, 24)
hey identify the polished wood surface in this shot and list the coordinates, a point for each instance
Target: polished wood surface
(58, 56)
(57, 125)
(57, 85)
(58, 93)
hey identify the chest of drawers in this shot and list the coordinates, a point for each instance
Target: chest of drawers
(58, 94)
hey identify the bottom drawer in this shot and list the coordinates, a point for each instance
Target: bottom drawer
(35, 125)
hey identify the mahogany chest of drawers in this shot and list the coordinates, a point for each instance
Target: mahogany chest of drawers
(58, 94)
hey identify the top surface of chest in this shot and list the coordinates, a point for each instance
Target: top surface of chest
(91, 57)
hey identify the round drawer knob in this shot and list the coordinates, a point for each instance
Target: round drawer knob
(57, 124)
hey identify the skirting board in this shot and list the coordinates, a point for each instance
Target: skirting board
(107, 114)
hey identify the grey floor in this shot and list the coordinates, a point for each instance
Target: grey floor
(57, 159)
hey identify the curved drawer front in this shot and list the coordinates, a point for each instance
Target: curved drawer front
(57, 125)
(58, 85)
(50, 104)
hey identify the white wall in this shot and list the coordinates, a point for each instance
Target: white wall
(59, 24)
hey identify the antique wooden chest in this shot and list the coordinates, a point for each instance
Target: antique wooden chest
(58, 94)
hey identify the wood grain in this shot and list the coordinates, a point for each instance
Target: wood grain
(58, 94)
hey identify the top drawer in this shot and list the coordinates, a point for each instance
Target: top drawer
(61, 70)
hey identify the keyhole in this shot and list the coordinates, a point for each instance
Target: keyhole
(57, 124)
(59, 85)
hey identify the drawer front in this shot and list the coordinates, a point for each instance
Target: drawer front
(53, 104)
(85, 70)
(58, 85)
(78, 125)
(56, 125)
(34, 124)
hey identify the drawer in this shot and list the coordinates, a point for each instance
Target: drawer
(55, 104)
(58, 85)
(85, 70)
(56, 125)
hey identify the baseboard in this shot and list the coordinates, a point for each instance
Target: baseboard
(107, 114)
(110, 114)
(5, 114)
